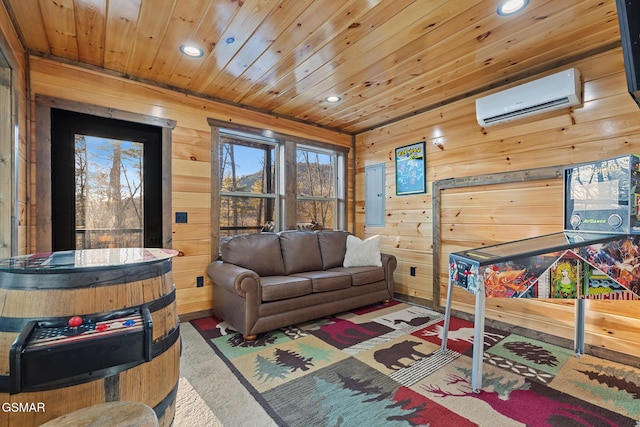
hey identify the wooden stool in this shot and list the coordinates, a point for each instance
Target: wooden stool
(111, 414)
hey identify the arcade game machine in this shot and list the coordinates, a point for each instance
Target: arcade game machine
(597, 256)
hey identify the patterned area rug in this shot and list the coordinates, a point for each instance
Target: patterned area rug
(382, 365)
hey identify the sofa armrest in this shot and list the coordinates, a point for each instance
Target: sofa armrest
(236, 279)
(390, 263)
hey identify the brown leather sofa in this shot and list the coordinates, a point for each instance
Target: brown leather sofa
(266, 281)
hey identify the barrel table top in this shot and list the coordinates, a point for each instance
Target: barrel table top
(84, 259)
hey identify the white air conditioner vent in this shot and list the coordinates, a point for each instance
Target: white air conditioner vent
(549, 93)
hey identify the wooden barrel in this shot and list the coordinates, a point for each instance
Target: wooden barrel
(93, 283)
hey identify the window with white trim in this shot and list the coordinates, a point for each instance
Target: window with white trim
(316, 181)
(248, 185)
(267, 181)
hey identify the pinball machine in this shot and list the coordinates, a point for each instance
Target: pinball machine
(596, 256)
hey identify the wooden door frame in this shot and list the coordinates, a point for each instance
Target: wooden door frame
(538, 174)
(44, 104)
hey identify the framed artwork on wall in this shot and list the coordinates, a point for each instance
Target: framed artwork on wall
(410, 169)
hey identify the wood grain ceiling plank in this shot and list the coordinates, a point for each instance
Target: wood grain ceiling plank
(338, 48)
(244, 24)
(296, 41)
(152, 24)
(186, 18)
(34, 35)
(122, 19)
(322, 29)
(461, 73)
(258, 45)
(546, 60)
(287, 55)
(90, 25)
(448, 87)
(60, 26)
(214, 23)
(409, 24)
(450, 35)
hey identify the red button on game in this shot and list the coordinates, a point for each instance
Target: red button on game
(75, 321)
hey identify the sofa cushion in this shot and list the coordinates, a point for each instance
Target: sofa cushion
(300, 251)
(362, 275)
(324, 281)
(333, 245)
(258, 252)
(275, 288)
(362, 253)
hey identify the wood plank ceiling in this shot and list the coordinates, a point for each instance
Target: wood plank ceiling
(387, 59)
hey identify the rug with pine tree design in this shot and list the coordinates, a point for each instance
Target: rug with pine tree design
(382, 365)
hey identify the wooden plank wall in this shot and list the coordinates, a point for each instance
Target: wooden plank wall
(191, 153)
(606, 125)
(15, 55)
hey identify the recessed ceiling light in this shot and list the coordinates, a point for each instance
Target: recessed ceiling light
(191, 50)
(509, 7)
(332, 98)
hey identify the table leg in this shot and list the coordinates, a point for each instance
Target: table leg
(447, 316)
(578, 343)
(478, 342)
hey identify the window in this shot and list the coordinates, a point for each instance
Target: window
(8, 181)
(247, 182)
(109, 193)
(106, 182)
(316, 181)
(274, 182)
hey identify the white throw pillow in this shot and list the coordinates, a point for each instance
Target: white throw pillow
(362, 253)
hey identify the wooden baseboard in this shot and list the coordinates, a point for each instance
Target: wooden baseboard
(413, 300)
(195, 315)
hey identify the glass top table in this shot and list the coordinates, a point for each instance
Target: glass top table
(84, 259)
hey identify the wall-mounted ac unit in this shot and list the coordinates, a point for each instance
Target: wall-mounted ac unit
(549, 93)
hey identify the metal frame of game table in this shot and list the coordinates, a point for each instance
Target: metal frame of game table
(478, 331)
(480, 294)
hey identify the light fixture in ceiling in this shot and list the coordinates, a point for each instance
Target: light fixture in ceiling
(191, 50)
(333, 99)
(510, 7)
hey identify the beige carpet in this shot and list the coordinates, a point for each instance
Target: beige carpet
(191, 410)
(218, 390)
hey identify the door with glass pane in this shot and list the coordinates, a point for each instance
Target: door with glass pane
(106, 183)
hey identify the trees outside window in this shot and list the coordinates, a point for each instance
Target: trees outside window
(109, 196)
(107, 183)
(247, 183)
(316, 188)
(263, 181)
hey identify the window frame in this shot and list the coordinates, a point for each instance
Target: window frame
(65, 126)
(335, 179)
(44, 104)
(12, 202)
(286, 212)
(275, 195)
